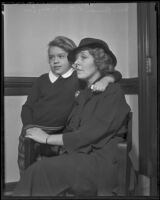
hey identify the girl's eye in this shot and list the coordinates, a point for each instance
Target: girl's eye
(51, 57)
(61, 56)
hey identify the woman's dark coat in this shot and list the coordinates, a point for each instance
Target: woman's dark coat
(89, 163)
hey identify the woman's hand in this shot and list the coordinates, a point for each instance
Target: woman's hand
(102, 84)
(36, 134)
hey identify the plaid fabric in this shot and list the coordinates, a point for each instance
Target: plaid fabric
(39, 150)
(21, 151)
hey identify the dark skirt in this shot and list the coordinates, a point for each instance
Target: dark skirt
(80, 174)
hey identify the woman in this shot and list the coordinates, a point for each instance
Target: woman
(88, 163)
(52, 96)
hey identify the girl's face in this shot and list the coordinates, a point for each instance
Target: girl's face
(58, 60)
(85, 66)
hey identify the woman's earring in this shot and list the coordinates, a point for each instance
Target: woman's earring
(77, 93)
(92, 87)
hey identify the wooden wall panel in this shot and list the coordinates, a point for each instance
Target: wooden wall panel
(20, 86)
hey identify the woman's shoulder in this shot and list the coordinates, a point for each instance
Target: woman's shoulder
(113, 88)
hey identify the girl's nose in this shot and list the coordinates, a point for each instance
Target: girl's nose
(56, 60)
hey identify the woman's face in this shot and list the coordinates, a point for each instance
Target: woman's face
(85, 66)
(58, 60)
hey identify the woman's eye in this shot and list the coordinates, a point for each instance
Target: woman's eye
(83, 57)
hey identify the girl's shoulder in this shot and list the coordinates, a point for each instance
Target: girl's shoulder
(42, 79)
(43, 76)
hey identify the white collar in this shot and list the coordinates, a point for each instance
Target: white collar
(68, 73)
(53, 77)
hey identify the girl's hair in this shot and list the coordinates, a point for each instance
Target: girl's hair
(102, 60)
(63, 42)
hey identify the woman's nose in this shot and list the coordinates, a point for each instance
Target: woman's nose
(77, 62)
(76, 65)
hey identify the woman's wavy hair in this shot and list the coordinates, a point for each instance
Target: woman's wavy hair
(102, 60)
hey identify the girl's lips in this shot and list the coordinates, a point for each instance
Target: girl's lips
(57, 67)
